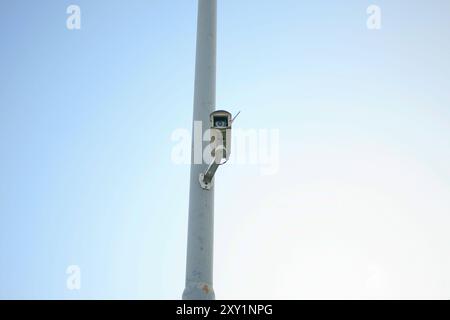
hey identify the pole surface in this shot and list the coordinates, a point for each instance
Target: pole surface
(199, 262)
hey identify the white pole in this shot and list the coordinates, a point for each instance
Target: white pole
(199, 263)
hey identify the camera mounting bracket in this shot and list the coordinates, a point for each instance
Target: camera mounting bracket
(206, 179)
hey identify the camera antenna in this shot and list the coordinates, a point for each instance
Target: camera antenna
(232, 120)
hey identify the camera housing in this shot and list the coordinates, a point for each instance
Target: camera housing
(221, 133)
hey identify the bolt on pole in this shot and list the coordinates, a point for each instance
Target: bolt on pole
(199, 262)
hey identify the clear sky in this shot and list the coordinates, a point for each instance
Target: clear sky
(359, 206)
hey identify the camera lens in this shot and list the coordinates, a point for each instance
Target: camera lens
(221, 122)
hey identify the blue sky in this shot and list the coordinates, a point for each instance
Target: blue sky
(359, 207)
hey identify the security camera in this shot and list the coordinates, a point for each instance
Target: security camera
(221, 121)
(221, 134)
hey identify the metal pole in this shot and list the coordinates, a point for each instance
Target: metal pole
(199, 263)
